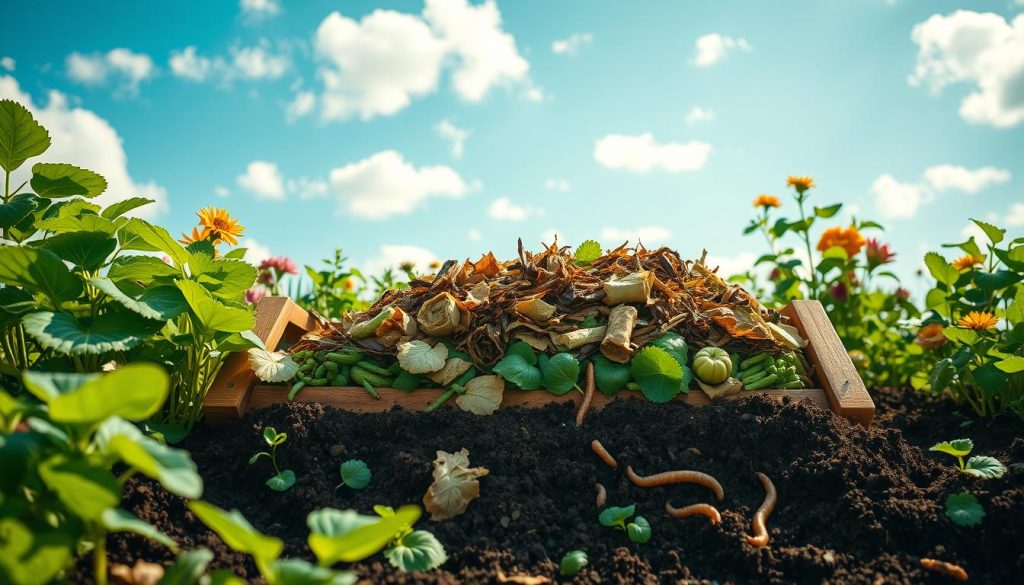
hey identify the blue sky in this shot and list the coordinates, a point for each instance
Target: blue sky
(323, 124)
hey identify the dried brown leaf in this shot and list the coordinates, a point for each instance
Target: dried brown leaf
(455, 485)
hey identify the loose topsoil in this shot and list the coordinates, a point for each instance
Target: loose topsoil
(855, 505)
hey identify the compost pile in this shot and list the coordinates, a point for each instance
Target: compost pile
(558, 300)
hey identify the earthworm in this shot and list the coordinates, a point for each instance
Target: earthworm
(948, 569)
(760, 537)
(694, 509)
(603, 454)
(602, 495)
(588, 395)
(681, 476)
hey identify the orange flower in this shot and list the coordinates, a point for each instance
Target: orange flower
(197, 236)
(801, 184)
(931, 336)
(978, 320)
(766, 201)
(847, 238)
(967, 261)
(220, 223)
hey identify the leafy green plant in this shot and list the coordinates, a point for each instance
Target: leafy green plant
(981, 466)
(658, 374)
(412, 550)
(58, 446)
(354, 474)
(572, 563)
(964, 510)
(282, 479)
(334, 290)
(560, 372)
(638, 531)
(519, 367)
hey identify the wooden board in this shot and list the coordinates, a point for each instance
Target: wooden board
(278, 319)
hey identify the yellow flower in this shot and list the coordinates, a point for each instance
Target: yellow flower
(220, 223)
(801, 184)
(847, 238)
(967, 261)
(931, 336)
(978, 320)
(197, 236)
(766, 201)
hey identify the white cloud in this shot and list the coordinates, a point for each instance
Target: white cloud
(188, 64)
(1015, 217)
(303, 104)
(221, 191)
(307, 188)
(504, 209)
(982, 49)
(647, 235)
(82, 138)
(259, 9)
(946, 177)
(572, 44)
(452, 133)
(7, 63)
(258, 62)
(641, 153)
(713, 47)
(385, 185)
(129, 69)
(699, 114)
(393, 255)
(376, 66)
(254, 63)
(560, 185)
(474, 234)
(731, 265)
(255, 252)
(262, 179)
(896, 200)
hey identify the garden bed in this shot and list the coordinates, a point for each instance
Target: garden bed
(855, 505)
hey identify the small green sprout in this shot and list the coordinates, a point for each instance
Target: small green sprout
(963, 509)
(282, 480)
(638, 531)
(411, 550)
(573, 562)
(981, 466)
(355, 474)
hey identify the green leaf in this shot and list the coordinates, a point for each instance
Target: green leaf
(355, 474)
(134, 391)
(995, 235)
(188, 568)
(118, 520)
(560, 373)
(675, 345)
(87, 250)
(990, 379)
(116, 210)
(515, 369)
(937, 300)
(610, 377)
(17, 209)
(111, 331)
(272, 438)
(85, 489)
(970, 247)
(227, 279)
(659, 375)
(214, 315)
(967, 336)
(963, 509)
(942, 271)
(985, 467)
(139, 234)
(417, 551)
(616, 517)
(407, 382)
(346, 536)
(521, 348)
(997, 280)
(639, 530)
(827, 211)
(1015, 312)
(47, 386)
(942, 375)
(236, 532)
(956, 447)
(835, 253)
(32, 555)
(38, 271)
(56, 180)
(300, 572)
(282, 481)
(587, 252)
(173, 468)
(156, 302)
(141, 269)
(83, 222)
(1012, 364)
(21, 137)
(572, 563)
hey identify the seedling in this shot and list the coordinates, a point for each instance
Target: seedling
(282, 480)
(573, 562)
(963, 509)
(354, 474)
(638, 531)
(981, 466)
(411, 550)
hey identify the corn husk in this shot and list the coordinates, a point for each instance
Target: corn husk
(615, 345)
(367, 328)
(574, 339)
(535, 309)
(442, 315)
(395, 329)
(631, 288)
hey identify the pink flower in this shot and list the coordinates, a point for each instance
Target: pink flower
(266, 277)
(878, 253)
(281, 264)
(254, 294)
(839, 292)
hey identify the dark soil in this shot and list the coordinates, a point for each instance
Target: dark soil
(855, 505)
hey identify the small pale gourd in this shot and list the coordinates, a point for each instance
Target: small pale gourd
(712, 365)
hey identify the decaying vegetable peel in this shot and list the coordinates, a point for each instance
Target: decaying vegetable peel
(552, 303)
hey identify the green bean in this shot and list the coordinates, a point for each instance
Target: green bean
(345, 357)
(340, 380)
(321, 372)
(440, 400)
(295, 389)
(754, 378)
(372, 367)
(370, 390)
(359, 375)
(750, 361)
(798, 383)
(763, 382)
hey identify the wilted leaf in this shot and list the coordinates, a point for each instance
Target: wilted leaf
(483, 395)
(487, 265)
(455, 485)
(272, 366)
(453, 368)
(417, 357)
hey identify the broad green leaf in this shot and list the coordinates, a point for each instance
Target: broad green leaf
(827, 211)
(236, 254)
(139, 234)
(118, 520)
(610, 377)
(997, 280)
(355, 474)
(134, 391)
(122, 207)
(15, 301)
(226, 577)
(85, 222)
(173, 468)
(1012, 364)
(418, 357)
(142, 269)
(21, 137)
(587, 252)
(995, 235)
(417, 551)
(347, 537)
(87, 250)
(227, 279)
(659, 375)
(55, 180)
(515, 369)
(572, 563)
(32, 556)
(521, 348)
(38, 271)
(985, 467)
(675, 345)
(188, 568)
(282, 481)
(956, 447)
(299, 572)
(959, 335)
(85, 489)
(616, 517)
(639, 530)
(560, 373)
(964, 510)
(214, 315)
(156, 302)
(942, 375)
(991, 379)
(112, 331)
(241, 341)
(17, 209)
(970, 247)
(1015, 312)
(937, 300)
(236, 531)
(941, 270)
(49, 385)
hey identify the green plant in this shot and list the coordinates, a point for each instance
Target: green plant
(574, 560)
(334, 290)
(964, 510)
(638, 531)
(658, 374)
(58, 495)
(354, 474)
(281, 480)
(981, 466)
(412, 550)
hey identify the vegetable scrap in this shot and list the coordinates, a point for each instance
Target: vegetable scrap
(672, 477)
(630, 316)
(455, 485)
(943, 568)
(694, 510)
(760, 537)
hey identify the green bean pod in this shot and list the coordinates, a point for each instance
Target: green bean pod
(753, 360)
(370, 390)
(763, 382)
(360, 376)
(795, 384)
(295, 389)
(344, 357)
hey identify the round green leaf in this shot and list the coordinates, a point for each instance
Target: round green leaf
(985, 467)
(32, 556)
(349, 538)
(587, 252)
(88, 250)
(609, 376)
(156, 302)
(355, 474)
(38, 271)
(956, 447)
(282, 481)
(572, 563)
(114, 331)
(21, 137)
(659, 375)
(614, 516)
(188, 568)
(515, 369)
(560, 373)
(417, 551)
(63, 180)
(964, 510)
(134, 392)
(87, 490)
(639, 530)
